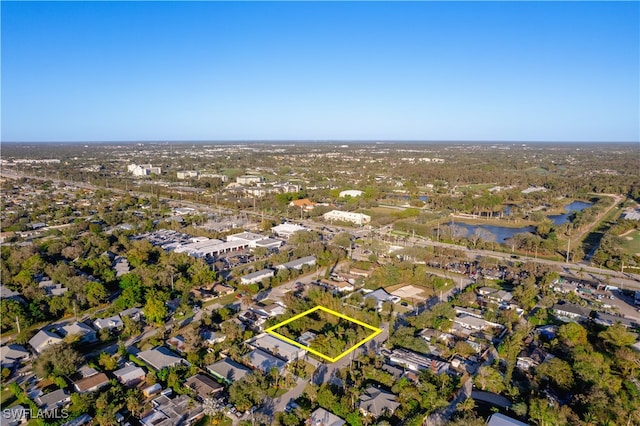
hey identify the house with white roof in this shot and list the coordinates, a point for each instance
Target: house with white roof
(86, 334)
(256, 277)
(111, 323)
(277, 347)
(44, 339)
(350, 193)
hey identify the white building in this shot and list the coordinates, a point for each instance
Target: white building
(187, 174)
(258, 276)
(249, 179)
(351, 193)
(338, 215)
(287, 229)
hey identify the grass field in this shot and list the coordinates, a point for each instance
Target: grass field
(631, 243)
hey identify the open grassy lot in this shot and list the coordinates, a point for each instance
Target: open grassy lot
(631, 243)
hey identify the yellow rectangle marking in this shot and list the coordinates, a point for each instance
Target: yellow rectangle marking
(375, 330)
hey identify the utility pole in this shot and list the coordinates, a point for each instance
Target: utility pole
(18, 323)
(568, 246)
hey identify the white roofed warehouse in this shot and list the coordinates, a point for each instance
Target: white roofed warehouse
(340, 216)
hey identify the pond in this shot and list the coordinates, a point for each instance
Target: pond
(503, 233)
(576, 206)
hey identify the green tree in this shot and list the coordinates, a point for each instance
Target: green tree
(572, 334)
(557, 371)
(96, 293)
(617, 336)
(57, 360)
(155, 310)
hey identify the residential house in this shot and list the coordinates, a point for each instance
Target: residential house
(211, 337)
(531, 357)
(176, 342)
(169, 412)
(495, 295)
(133, 313)
(228, 370)
(44, 339)
(608, 320)
(130, 375)
(204, 386)
(161, 357)
(380, 295)
(270, 311)
(376, 402)
(85, 333)
(111, 323)
(498, 419)
(571, 311)
(417, 362)
(7, 293)
(51, 401)
(91, 383)
(322, 417)
(222, 290)
(258, 276)
(298, 263)
(277, 347)
(14, 416)
(303, 204)
(475, 324)
(152, 390)
(264, 361)
(350, 193)
(13, 355)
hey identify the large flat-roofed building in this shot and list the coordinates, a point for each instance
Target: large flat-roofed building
(339, 215)
(258, 276)
(286, 230)
(249, 179)
(298, 263)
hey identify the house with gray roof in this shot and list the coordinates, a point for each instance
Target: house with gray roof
(380, 296)
(571, 311)
(264, 361)
(277, 347)
(322, 417)
(161, 357)
(376, 402)
(86, 333)
(44, 339)
(130, 375)
(12, 355)
(228, 370)
(53, 400)
(298, 263)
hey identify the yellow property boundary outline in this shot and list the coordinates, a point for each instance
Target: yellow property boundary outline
(376, 331)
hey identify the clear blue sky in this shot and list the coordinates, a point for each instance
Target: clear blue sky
(121, 71)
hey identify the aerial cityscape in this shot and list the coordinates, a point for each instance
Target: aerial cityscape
(320, 213)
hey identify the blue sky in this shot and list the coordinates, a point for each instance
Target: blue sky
(511, 71)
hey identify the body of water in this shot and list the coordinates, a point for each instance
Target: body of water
(576, 206)
(502, 233)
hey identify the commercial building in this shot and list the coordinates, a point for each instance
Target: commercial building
(340, 216)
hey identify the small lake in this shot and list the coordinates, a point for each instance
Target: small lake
(502, 233)
(576, 206)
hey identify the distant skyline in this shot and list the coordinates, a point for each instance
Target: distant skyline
(230, 71)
